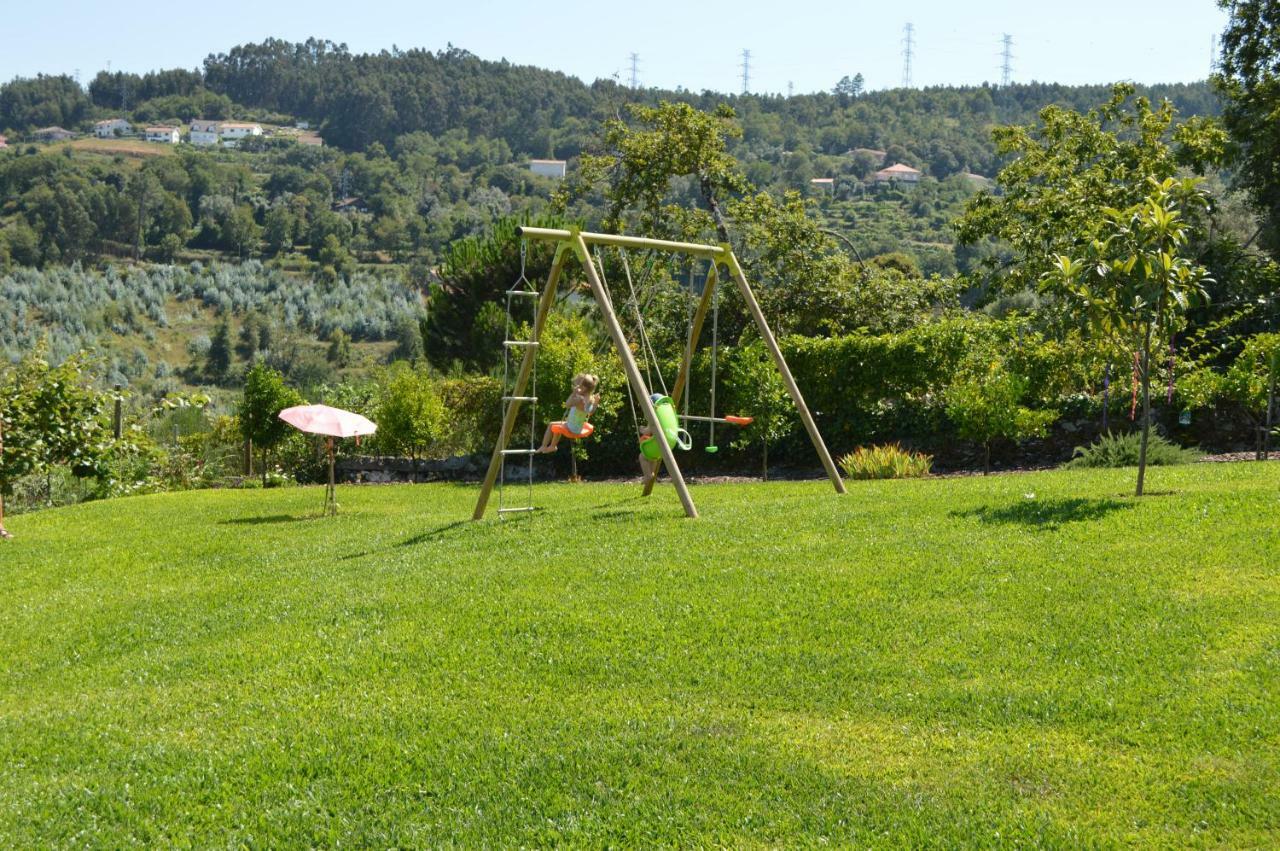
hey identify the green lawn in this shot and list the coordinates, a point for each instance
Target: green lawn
(1029, 659)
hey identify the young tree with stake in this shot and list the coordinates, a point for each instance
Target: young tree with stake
(1134, 284)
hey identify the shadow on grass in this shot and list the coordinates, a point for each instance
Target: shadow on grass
(436, 534)
(1046, 514)
(614, 514)
(431, 534)
(269, 519)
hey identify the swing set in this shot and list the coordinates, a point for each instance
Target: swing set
(664, 432)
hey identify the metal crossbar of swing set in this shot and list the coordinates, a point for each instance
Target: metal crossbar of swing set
(557, 235)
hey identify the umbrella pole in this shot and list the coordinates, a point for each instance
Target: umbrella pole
(331, 495)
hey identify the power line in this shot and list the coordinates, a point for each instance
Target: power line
(635, 70)
(908, 53)
(1213, 54)
(746, 71)
(1006, 65)
(791, 88)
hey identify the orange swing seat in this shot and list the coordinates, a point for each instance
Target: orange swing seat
(560, 429)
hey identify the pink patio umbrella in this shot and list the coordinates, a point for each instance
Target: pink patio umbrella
(331, 423)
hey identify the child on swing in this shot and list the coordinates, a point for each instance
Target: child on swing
(579, 406)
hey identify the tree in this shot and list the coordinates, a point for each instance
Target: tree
(241, 230)
(336, 258)
(1135, 283)
(410, 414)
(277, 230)
(985, 403)
(265, 396)
(339, 353)
(218, 361)
(850, 87)
(1065, 172)
(672, 140)
(247, 340)
(50, 416)
(1249, 79)
(756, 387)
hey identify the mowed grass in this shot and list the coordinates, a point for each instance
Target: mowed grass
(1030, 659)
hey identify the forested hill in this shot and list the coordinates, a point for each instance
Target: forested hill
(359, 99)
(365, 98)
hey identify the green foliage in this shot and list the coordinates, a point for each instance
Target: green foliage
(1249, 79)
(265, 396)
(672, 140)
(411, 416)
(1066, 172)
(473, 414)
(47, 100)
(339, 352)
(1136, 282)
(890, 461)
(475, 276)
(985, 403)
(1125, 450)
(218, 361)
(51, 416)
(752, 380)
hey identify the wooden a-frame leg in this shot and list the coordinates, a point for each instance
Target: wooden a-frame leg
(771, 342)
(633, 372)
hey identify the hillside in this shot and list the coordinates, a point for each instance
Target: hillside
(431, 147)
(934, 662)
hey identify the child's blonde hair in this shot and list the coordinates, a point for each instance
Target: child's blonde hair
(585, 378)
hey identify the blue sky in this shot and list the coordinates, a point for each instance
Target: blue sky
(695, 45)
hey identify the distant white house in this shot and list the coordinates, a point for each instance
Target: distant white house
(898, 173)
(826, 184)
(548, 168)
(205, 133)
(233, 131)
(4, 143)
(163, 133)
(108, 127)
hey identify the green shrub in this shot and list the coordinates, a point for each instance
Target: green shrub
(886, 462)
(1122, 450)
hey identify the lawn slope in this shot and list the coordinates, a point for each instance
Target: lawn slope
(1032, 658)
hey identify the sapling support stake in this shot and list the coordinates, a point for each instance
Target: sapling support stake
(1271, 406)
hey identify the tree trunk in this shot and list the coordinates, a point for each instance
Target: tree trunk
(713, 205)
(264, 467)
(764, 467)
(573, 466)
(142, 214)
(986, 458)
(1146, 410)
